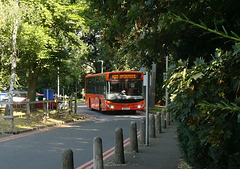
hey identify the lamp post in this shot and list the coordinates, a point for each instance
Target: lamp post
(147, 109)
(101, 65)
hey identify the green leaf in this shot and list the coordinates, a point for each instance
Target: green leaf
(224, 30)
(120, 1)
(216, 28)
(227, 134)
(238, 118)
(149, 2)
(198, 75)
(234, 34)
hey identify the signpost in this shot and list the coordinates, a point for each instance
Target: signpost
(147, 108)
(48, 95)
(166, 93)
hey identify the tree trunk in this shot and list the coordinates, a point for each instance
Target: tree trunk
(32, 84)
(13, 68)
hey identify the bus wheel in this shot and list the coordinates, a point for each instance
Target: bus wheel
(100, 106)
(89, 103)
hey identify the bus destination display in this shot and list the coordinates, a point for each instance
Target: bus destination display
(122, 76)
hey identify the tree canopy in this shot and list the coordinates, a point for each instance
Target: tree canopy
(49, 38)
(147, 30)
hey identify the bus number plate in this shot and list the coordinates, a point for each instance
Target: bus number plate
(126, 108)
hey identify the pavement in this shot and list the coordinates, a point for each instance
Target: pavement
(161, 153)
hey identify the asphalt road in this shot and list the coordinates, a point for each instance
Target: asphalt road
(44, 148)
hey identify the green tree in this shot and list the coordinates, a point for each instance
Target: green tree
(146, 31)
(50, 36)
(10, 16)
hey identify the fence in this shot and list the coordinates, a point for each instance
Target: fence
(27, 108)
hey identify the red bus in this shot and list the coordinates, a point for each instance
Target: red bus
(115, 91)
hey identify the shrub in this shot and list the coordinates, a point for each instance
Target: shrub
(205, 102)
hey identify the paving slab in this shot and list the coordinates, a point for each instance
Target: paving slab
(161, 153)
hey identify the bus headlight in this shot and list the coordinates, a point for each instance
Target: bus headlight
(109, 105)
(140, 106)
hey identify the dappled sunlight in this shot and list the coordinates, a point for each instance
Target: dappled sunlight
(60, 144)
(102, 120)
(55, 120)
(87, 129)
(79, 149)
(134, 117)
(69, 126)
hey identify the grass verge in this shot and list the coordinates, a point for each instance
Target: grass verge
(37, 120)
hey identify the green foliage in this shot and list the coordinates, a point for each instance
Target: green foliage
(8, 14)
(223, 34)
(146, 31)
(205, 103)
(49, 36)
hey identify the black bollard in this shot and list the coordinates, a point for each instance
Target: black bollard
(97, 153)
(152, 132)
(133, 137)
(67, 159)
(119, 149)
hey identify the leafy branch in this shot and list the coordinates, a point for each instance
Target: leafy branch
(222, 106)
(224, 34)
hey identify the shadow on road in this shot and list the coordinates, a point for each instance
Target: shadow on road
(121, 113)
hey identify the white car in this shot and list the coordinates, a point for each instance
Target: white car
(5, 99)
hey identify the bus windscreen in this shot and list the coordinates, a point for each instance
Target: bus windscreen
(118, 90)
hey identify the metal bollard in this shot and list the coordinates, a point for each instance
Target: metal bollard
(133, 137)
(97, 153)
(143, 130)
(168, 118)
(67, 159)
(75, 106)
(152, 132)
(119, 149)
(28, 110)
(158, 122)
(164, 122)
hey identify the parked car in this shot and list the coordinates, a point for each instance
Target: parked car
(40, 97)
(38, 104)
(16, 98)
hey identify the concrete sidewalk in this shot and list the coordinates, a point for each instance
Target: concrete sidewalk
(162, 153)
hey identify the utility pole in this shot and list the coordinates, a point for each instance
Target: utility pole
(166, 92)
(147, 108)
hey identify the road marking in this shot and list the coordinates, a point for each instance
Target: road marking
(106, 154)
